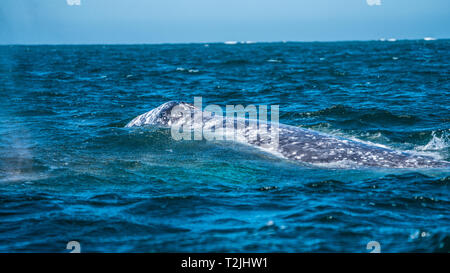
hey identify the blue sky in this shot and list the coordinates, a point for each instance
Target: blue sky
(173, 21)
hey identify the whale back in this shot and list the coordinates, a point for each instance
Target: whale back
(298, 144)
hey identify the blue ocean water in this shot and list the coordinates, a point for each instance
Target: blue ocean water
(69, 170)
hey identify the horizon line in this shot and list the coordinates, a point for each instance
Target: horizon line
(234, 42)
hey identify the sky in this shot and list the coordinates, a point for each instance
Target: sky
(185, 21)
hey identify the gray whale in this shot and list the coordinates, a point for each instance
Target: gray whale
(304, 145)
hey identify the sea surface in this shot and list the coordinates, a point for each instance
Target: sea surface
(70, 171)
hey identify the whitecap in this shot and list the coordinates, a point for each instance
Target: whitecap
(436, 143)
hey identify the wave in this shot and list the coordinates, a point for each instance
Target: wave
(438, 142)
(365, 116)
(236, 62)
(182, 69)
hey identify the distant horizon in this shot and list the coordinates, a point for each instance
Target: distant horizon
(239, 42)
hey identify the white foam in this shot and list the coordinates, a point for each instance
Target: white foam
(434, 147)
(436, 143)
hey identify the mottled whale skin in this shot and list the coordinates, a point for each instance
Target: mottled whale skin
(303, 145)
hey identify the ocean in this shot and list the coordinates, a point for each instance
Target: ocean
(71, 171)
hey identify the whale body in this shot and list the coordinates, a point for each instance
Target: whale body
(299, 144)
